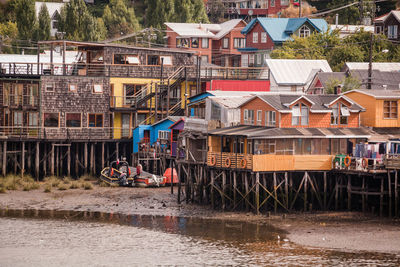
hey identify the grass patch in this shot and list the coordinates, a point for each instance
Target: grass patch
(74, 185)
(16, 182)
(3, 190)
(52, 181)
(87, 186)
(87, 177)
(62, 187)
(47, 188)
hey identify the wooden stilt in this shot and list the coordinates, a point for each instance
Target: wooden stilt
(396, 195)
(4, 168)
(92, 164)
(234, 189)
(15, 157)
(179, 182)
(69, 161)
(212, 189)
(45, 159)
(22, 159)
(223, 190)
(257, 200)
(57, 155)
(85, 152)
(325, 191)
(286, 191)
(172, 176)
(349, 192)
(390, 194)
(77, 160)
(37, 161)
(52, 159)
(305, 191)
(246, 186)
(363, 194)
(62, 157)
(275, 193)
(117, 150)
(102, 156)
(381, 198)
(336, 193)
(29, 159)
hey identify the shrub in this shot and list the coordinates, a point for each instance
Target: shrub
(62, 186)
(74, 185)
(87, 186)
(47, 188)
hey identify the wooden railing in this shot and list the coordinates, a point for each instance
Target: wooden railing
(358, 164)
(230, 160)
(392, 161)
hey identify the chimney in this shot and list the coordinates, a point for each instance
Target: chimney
(339, 89)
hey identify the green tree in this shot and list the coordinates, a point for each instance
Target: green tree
(347, 84)
(26, 18)
(338, 55)
(158, 12)
(349, 15)
(8, 33)
(77, 23)
(184, 11)
(199, 12)
(119, 19)
(43, 30)
(217, 11)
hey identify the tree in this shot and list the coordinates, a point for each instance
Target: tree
(199, 12)
(26, 18)
(349, 15)
(119, 19)
(158, 12)
(8, 33)
(347, 84)
(43, 30)
(338, 55)
(185, 10)
(217, 11)
(293, 12)
(77, 23)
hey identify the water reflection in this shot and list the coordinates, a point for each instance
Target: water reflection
(96, 238)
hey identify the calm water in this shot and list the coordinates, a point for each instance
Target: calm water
(98, 239)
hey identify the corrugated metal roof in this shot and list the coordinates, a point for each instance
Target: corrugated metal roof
(231, 101)
(281, 29)
(226, 27)
(295, 71)
(382, 66)
(378, 93)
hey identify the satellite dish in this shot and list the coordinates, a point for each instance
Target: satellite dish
(250, 12)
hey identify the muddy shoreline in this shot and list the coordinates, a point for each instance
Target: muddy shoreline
(345, 231)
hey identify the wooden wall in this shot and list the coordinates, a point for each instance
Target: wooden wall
(292, 162)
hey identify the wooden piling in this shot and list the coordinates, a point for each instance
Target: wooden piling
(52, 159)
(29, 159)
(69, 160)
(102, 156)
(381, 198)
(286, 191)
(336, 193)
(396, 195)
(257, 199)
(212, 189)
(22, 159)
(223, 190)
(85, 152)
(325, 191)
(349, 192)
(305, 191)
(390, 193)
(246, 186)
(77, 159)
(4, 168)
(363, 206)
(92, 167)
(275, 193)
(57, 155)
(37, 161)
(234, 189)
(179, 182)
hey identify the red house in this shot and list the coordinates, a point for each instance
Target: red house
(214, 43)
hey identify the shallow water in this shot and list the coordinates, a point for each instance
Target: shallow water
(101, 239)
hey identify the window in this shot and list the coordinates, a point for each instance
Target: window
(55, 24)
(244, 60)
(225, 43)
(73, 120)
(195, 42)
(18, 119)
(392, 31)
(284, 2)
(204, 59)
(270, 118)
(259, 59)
(204, 42)
(51, 119)
(378, 29)
(33, 119)
(272, 3)
(304, 31)
(153, 60)
(251, 60)
(390, 109)
(95, 120)
(32, 95)
(49, 87)
(166, 60)
(255, 37)
(259, 117)
(296, 115)
(344, 115)
(248, 117)
(72, 88)
(163, 135)
(335, 114)
(263, 37)
(304, 115)
(126, 59)
(182, 42)
(6, 93)
(239, 42)
(97, 88)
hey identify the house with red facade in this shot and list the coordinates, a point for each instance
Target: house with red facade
(254, 8)
(213, 43)
(264, 34)
(301, 111)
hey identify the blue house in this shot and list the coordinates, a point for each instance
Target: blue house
(264, 34)
(149, 134)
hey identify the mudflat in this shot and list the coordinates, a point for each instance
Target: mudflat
(347, 231)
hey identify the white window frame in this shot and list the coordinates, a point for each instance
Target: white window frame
(225, 43)
(335, 115)
(272, 4)
(166, 60)
(97, 88)
(296, 115)
(164, 135)
(263, 37)
(259, 117)
(251, 60)
(204, 42)
(392, 31)
(259, 59)
(270, 118)
(245, 116)
(304, 31)
(305, 115)
(255, 37)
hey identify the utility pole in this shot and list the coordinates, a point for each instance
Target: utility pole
(371, 46)
(299, 8)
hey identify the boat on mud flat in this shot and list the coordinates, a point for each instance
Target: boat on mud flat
(119, 172)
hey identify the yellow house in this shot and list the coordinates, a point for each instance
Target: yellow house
(382, 106)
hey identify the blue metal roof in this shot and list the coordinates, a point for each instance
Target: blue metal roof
(280, 29)
(199, 97)
(247, 49)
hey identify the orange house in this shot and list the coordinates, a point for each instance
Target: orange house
(381, 107)
(301, 111)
